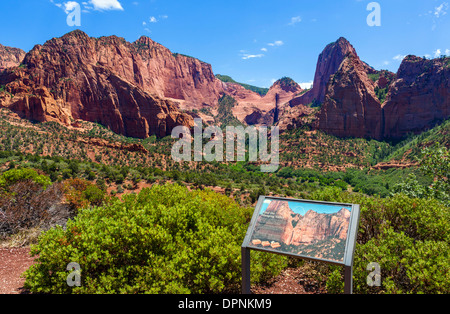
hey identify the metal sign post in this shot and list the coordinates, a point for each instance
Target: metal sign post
(310, 230)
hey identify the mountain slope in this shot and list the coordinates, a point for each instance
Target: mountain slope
(139, 89)
(328, 63)
(359, 101)
(256, 109)
(419, 98)
(351, 107)
(10, 57)
(99, 80)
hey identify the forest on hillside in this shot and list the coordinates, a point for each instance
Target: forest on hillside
(138, 222)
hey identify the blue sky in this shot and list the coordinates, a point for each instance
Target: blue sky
(255, 42)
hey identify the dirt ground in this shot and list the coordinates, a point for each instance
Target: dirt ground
(13, 262)
(291, 281)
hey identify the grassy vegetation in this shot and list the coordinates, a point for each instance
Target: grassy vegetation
(225, 115)
(404, 221)
(286, 81)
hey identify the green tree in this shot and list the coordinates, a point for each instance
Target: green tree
(436, 163)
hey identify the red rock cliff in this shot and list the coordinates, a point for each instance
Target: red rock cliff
(104, 80)
(351, 107)
(10, 57)
(328, 63)
(418, 98)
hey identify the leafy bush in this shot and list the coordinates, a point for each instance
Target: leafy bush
(408, 237)
(166, 239)
(81, 193)
(435, 163)
(12, 176)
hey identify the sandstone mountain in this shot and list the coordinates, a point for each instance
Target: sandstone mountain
(418, 98)
(328, 63)
(279, 223)
(105, 80)
(351, 107)
(142, 88)
(10, 57)
(356, 100)
(256, 109)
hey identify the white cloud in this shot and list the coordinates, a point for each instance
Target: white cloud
(90, 5)
(248, 56)
(106, 5)
(437, 53)
(153, 19)
(69, 6)
(295, 20)
(144, 23)
(447, 52)
(276, 43)
(306, 85)
(59, 5)
(441, 10)
(399, 57)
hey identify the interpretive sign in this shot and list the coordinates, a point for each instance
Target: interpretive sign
(310, 230)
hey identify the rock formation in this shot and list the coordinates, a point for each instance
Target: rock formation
(358, 101)
(142, 88)
(275, 224)
(104, 80)
(419, 97)
(254, 109)
(351, 107)
(315, 227)
(328, 63)
(10, 57)
(170, 75)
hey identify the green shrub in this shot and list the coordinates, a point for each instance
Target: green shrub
(166, 239)
(12, 176)
(407, 265)
(408, 237)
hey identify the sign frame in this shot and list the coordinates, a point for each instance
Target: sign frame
(350, 244)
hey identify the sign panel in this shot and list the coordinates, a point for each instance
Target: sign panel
(306, 229)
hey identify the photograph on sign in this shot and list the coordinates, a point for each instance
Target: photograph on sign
(308, 229)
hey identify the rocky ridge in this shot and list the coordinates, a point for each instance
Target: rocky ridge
(356, 100)
(139, 89)
(100, 80)
(418, 98)
(10, 57)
